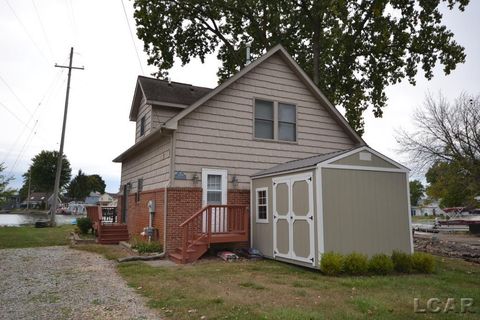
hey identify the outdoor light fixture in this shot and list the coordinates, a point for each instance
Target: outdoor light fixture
(195, 179)
(235, 181)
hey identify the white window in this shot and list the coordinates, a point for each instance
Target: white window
(264, 119)
(262, 205)
(275, 120)
(287, 122)
(214, 185)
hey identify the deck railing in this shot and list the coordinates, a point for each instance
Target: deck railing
(215, 221)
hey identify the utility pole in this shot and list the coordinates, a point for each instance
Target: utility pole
(56, 187)
(29, 185)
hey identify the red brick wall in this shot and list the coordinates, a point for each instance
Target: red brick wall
(238, 197)
(182, 203)
(138, 215)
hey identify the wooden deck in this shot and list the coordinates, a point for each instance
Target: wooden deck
(105, 225)
(210, 225)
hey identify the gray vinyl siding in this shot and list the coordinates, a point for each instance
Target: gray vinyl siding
(365, 211)
(219, 134)
(145, 110)
(160, 115)
(152, 164)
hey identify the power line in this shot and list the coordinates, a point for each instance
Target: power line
(133, 39)
(50, 90)
(15, 95)
(43, 28)
(23, 148)
(26, 31)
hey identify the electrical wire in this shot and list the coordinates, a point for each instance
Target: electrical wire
(43, 29)
(132, 37)
(26, 31)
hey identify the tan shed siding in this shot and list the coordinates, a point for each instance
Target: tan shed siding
(365, 211)
(354, 160)
(145, 110)
(160, 115)
(220, 132)
(152, 164)
(262, 233)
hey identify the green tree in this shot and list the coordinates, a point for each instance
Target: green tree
(5, 192)
(96, 183)
(81, 185)
(416, 191)
(451, 183)
(43, 171)
(352, 49)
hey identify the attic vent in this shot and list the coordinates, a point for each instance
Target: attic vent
(365, 156)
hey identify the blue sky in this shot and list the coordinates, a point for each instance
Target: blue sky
(36, 34)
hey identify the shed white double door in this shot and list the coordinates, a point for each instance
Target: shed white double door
(293, 218)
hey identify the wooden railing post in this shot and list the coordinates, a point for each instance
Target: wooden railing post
(184, 244)
(209, 224)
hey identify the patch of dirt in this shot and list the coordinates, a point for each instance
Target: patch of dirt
(461, 246)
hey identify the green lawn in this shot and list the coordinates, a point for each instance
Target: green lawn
(274, 290)
(23, 237)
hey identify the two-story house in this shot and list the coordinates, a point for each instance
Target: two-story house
(198, 148)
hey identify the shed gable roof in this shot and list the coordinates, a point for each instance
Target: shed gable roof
(325, 158)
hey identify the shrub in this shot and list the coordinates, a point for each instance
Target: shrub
(84, 225)
(331, 263)
(146, 247)
(423, 263)
(380, 264)
(355, 264)
(402, 262)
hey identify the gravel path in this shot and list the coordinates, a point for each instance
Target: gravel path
(62, 283)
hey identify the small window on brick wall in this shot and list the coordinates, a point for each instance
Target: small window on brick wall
(139, 189)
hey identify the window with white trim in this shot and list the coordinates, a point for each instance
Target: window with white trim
(264, 119)
(287, 122)
(275, 120)
(262, 204)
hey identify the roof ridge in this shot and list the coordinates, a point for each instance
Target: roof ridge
(174, 82)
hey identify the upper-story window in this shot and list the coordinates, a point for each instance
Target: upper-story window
(142, 126)
(287, 122)
(275, 120)
(264, 119)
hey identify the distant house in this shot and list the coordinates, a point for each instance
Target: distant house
(12, 202)
(427, 207)
(108, 200)
(93, 198)
(232, 166)
(37, 200)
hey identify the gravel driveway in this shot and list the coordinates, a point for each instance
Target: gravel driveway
(62, 283)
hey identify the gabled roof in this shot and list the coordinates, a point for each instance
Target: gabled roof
(301, 163)
(164, 93)
(173, 122)
(325, 158)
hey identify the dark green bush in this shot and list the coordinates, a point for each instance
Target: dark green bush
(331, 263)
(146, 247)
(423, 263)
(84, 225)
(402, 262)
(380, 264)
(355, 264)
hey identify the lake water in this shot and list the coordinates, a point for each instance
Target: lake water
(16, 220)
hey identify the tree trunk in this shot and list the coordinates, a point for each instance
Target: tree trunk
(316, 50)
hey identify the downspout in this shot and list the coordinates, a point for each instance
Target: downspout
(165, 193)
